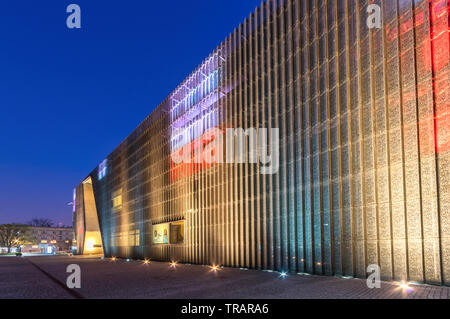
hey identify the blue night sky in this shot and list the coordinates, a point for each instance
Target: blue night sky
(69, 97)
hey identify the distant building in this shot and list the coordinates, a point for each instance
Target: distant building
(48, 240)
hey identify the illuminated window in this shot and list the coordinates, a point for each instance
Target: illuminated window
(117, 199)
(90, 244)
(177, 232)
(102, 168)
(137, 238)
(43, 241)
(161, 234)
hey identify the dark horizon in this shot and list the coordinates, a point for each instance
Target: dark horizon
(62, 90)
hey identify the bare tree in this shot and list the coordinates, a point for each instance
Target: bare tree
(41, 222)
(14, 235)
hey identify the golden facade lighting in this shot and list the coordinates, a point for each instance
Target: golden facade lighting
(363, 119)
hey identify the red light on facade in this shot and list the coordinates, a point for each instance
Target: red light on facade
(182, 170)
(440, 47)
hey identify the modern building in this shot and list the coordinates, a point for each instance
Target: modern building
(49, 240)
(357, 117)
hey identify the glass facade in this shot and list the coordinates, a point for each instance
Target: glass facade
(363, 116)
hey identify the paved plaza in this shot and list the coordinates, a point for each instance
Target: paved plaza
(46, 276)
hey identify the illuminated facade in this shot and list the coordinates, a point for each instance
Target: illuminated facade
(87, 236)
(363, 179)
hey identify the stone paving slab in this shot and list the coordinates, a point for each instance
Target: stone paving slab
(19, 278)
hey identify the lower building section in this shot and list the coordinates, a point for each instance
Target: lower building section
(309, 141)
